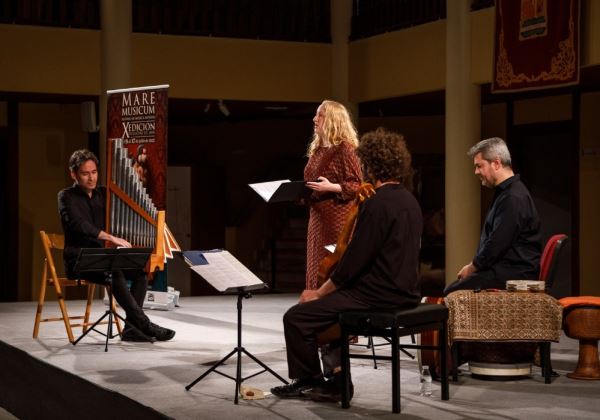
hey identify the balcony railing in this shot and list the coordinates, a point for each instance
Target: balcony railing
(61, 13)
(374, 17)
(285, 20)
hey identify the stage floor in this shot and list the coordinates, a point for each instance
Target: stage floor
(156, 374)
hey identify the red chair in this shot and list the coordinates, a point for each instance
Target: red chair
(550, 268)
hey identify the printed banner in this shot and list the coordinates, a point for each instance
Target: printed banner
(536, 44)
(139, 117)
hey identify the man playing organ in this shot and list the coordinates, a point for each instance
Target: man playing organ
(82, 209)
(378, 269)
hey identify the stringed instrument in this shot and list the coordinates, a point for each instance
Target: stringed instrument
(431, 358)
(330, 262)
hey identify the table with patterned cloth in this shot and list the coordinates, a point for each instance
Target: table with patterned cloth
(503, 316)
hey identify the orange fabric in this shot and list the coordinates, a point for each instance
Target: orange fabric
(579, 301)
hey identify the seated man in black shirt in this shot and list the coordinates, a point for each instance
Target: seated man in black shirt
(378, 269)
(82, 213)
(510, 245)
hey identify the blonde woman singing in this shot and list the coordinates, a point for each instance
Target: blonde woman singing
(333, 172)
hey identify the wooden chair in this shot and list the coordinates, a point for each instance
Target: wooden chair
(53, 241)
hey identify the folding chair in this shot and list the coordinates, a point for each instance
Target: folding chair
(53, 241)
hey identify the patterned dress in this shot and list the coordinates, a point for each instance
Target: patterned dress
(328, 211)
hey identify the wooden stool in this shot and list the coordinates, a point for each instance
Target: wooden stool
(582, 322)
(393, 324)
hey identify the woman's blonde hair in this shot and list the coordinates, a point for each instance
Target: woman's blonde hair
(337, 127)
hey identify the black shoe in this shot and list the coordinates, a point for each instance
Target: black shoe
(133, 334)
(330, 391)
(297, 388)
(160, 333)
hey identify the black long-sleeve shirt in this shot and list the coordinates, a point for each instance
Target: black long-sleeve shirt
(380, 264)
(82, 218)
(510, 243)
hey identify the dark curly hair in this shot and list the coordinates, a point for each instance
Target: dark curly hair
(384, 157)
(79, 157)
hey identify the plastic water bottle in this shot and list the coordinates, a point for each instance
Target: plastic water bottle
(426, 382)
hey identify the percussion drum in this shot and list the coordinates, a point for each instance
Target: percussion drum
(498, 360)
(583, 323)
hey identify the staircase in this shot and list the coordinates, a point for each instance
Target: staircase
(284, 263)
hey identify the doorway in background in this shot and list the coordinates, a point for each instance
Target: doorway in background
(545, 155)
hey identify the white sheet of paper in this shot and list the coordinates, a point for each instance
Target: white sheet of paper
(224, 271)
(330, 248)
(267, 189)
(166, 247)
(170, 238)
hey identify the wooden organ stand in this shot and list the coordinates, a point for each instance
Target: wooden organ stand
(131, 214)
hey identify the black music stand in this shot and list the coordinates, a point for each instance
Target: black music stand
(242, 292)
(107, 260)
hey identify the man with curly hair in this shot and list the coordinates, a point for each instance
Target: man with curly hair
(378, 269)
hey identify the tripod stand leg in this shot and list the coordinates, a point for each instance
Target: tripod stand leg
(213, 367)
(112, 317)
(370, 343)
(407, 353)
(265, 367)
(119, 317)
(401, 349)
(94, 325)
(114, 309)
(238, 375)
(238, 350)
(109, 330)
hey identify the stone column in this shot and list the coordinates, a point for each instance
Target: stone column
(341, 25)
(115, 21)
(463, 130)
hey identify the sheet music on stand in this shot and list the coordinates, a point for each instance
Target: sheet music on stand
(282, 190)
(223, 271)
(226, 274)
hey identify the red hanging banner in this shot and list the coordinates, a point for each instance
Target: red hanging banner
(139, 117)
(536, 44)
